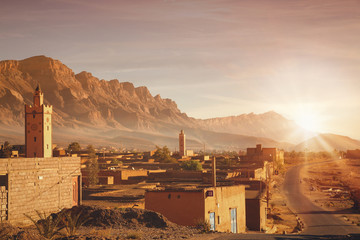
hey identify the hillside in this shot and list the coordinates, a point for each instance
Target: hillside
(91, 110)
(268, 125)
(328, 142)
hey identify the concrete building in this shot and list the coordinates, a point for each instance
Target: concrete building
(182, 144)
(223, 207)
(38, 129)
(42, 184)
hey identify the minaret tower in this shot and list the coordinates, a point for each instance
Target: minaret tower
(182, 146)
(38, 129)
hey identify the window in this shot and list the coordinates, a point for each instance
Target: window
(47, 146)
(47, 128)
(33, 115)
(34, 139)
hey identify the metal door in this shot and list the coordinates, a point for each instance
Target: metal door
(212, 221)
(233, 220)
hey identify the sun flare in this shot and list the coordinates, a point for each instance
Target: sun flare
(309, 121)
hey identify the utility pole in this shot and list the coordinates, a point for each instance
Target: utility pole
(214, 172)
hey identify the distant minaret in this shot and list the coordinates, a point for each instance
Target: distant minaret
(38, 129)
(182, 146)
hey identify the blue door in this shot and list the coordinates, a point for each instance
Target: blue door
(212, 221)
(233, 220)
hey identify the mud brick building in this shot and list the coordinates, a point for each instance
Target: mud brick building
(353, 154)
(38, 184)
(223, 207)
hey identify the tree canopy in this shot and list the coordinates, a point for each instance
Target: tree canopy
(191, 165)
(163, 155)
(5, 151)
(92, 165)
(74, 147)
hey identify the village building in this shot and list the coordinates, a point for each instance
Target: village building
(117, 176)
(353, 154)
(271, 155)
(223, 207)
(38, 182)
(255, 210)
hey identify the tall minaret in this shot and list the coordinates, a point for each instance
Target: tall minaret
(182, 146)
(38, 129)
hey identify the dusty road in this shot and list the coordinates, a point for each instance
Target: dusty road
(317, 220)
(319, 223)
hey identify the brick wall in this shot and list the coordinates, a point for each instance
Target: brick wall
(42, 184)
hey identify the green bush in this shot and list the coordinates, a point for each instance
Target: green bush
(163, 155)
(191, 165)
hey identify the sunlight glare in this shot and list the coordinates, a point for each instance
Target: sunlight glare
(308, 121)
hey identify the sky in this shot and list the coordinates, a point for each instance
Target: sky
(214, 58)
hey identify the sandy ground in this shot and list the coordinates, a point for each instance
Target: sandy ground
(116, 196)
(328, 185)
(281, 219)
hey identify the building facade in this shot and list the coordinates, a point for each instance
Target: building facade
(353, 154)
(46, 185)
(38, 127)
(223, 207)
(272, 155)
(255, 210)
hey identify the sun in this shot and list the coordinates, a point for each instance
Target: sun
(309, 121)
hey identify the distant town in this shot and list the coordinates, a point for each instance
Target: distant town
(234, 192)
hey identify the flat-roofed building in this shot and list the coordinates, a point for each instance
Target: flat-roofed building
(223, 207)
(354, 154)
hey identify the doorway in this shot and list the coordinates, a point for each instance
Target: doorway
(212, 221)
(3, 197)
(233, 220)
(76, 190)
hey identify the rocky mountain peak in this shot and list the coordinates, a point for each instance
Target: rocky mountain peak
(82, 101)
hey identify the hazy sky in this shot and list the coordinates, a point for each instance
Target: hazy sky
(300, 58)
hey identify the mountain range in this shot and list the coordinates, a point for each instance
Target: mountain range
(100, 112)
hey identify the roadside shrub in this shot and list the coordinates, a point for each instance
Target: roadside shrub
(72, 221)
(48, 226)
(202, 225)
